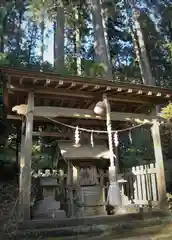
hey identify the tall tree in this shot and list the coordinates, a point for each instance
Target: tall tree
(143, 58)
(59, 25)
(101, 49)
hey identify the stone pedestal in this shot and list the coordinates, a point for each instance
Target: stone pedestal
(49, 208)
(116, 196)
(114, 193)
(124, 198)
(93, 201)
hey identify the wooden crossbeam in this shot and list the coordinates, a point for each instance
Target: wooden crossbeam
(68, 135)
(54, 112)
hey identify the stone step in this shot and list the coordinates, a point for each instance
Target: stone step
(59, 232)
(153, 233)
(98, 220)
(117, 229)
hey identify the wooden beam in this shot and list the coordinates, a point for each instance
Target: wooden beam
(61, 92)
(52, 134)
(35, 80)
(76, 94)
(68, 135)
(84, 86)
(14, 117)
(95, 88)
(72, 85)
(48, 81)
(53, 112)
(60, 83)
(21, 80)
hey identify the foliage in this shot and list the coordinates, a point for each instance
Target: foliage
(133, 152)
(169, 200)
(166, 112)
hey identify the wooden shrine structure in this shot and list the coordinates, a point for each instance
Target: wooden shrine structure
(34, 97)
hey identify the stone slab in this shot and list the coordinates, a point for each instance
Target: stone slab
(48, 208)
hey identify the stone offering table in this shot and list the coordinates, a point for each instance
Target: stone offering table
(49, 208)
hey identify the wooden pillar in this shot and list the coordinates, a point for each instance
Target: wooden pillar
(159, 164)
(112, 167)
(18, 139)
(114, 195)
(70, 188)
(75, 175)
(26, 160)
(21, 177)
(116, 144)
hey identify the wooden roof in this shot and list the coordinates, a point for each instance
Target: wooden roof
(85, 151)
(81, 92)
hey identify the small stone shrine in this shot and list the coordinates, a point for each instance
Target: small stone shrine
(49, 208)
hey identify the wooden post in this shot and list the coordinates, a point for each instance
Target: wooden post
(114, 195)
(116, 144)
(26, 160)
(21, 177)
(75, 175)
(70, 188)
(110, 142)
(159, 164)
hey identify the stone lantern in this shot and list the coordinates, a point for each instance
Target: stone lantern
(49, 208)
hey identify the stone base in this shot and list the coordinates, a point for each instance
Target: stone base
(48, 209)
(93, 201)
(92, 211)
(58, 215)
(114, 194)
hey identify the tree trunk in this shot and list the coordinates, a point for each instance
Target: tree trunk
(59, 40)
(147, 74)
(5, 8)
(100, 47)
(33, 30)
(77, 44)
(42, 37)
(138, 57)
(18, 36)
(3, 19)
